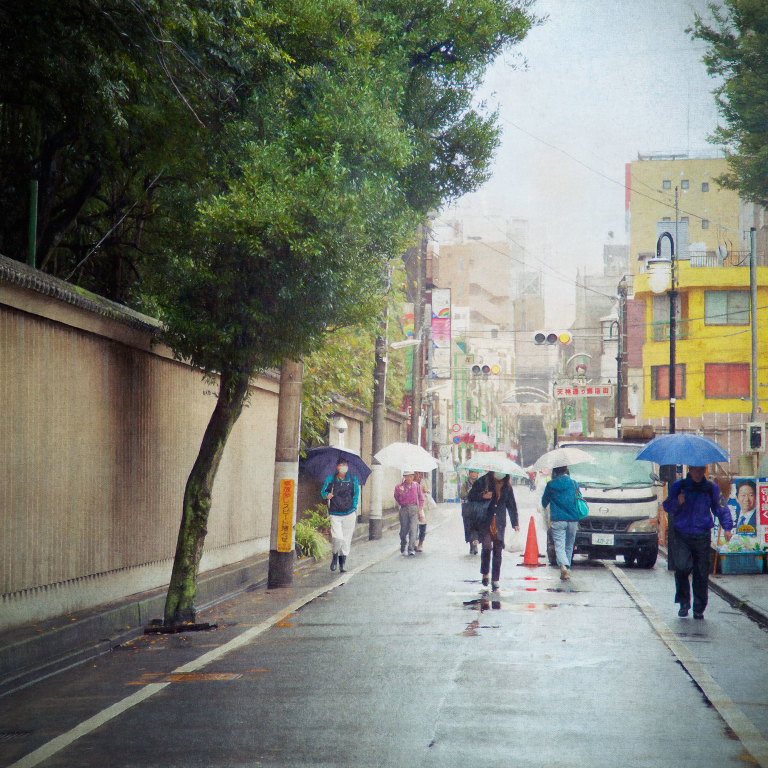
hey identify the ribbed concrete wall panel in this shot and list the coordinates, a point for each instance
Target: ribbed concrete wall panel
(97, 438)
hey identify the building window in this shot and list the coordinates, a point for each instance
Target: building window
(726, 307)
(684, 219)
(666, 184)
(666, 218)
(460, 263)
(684, 184)
(660, 382)
(705, 186)
(705, 223)
(726, 380)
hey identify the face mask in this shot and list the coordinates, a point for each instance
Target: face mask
(499, 475)
(343, 468)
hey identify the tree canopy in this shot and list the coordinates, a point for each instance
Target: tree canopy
(245, 168)
(738, 55)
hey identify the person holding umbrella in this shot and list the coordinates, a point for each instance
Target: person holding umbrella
(496, 489)
(691, 503)
(410, 498)
(342, 492)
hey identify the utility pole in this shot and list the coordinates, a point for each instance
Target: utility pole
(282, 535)
(375, 519)
(753, 328)
(418, 329)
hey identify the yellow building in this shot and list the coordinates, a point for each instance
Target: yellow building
(708, 216)
(713, 346)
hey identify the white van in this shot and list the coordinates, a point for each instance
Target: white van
(623, 499)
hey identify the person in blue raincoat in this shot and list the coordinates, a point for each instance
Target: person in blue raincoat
(342, 491)
(691, 503)
(560, 495)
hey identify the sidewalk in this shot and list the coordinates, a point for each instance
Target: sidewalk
(35, 651)
(748, 592)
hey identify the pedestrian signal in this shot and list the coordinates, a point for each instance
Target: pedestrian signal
(552, 337)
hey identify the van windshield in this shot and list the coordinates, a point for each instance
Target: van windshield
(614, 466)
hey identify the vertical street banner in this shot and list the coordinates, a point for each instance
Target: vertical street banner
(441, 333)
(407, 324)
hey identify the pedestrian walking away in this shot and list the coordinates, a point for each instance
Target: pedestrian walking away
(409, 497)
(560, 495)
(429, 505)
(471, 536)
(496, 489)
(691, 505)
(342, 492)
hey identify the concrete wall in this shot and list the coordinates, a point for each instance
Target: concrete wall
(98, 431)
(99, 428)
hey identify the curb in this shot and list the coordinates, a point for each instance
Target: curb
(756, 614)
(29, 653)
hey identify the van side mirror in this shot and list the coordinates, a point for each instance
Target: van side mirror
(655, 477)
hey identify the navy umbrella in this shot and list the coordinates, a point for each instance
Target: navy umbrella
(321, 462)
(683, 448)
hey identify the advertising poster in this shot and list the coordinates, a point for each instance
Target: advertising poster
(441, 333)
(762, 511)
(406, 322)
(748, 502)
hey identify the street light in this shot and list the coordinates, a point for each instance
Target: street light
(405, 343)
(662, 279)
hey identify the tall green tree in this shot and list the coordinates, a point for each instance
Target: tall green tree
(245, 168)
(738, 56)
(365, 124)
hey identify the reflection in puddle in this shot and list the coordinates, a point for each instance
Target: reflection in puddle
(482, 604)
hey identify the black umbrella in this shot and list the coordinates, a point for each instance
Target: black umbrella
(321, 462)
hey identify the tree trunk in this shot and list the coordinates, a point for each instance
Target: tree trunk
(180, 601)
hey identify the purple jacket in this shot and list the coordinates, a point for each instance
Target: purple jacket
(702, 500)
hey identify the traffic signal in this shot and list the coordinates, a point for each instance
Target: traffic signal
(485, 369)
(552, 337)
(756, 432)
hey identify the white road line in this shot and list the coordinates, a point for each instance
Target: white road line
(50, 748)
(736, 720)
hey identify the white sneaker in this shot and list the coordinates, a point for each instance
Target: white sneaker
(564, 573)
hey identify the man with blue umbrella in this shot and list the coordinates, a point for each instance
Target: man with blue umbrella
(691, 503)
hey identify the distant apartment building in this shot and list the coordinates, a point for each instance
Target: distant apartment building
(595, 332)
(713, 335)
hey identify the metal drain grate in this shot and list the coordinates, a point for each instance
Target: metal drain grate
(13, 735)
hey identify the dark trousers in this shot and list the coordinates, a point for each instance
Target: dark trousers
(495, 546)
(691, 556)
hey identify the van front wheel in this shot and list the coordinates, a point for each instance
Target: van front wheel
(647, 559)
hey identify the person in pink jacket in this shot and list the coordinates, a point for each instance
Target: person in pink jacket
(411, 500)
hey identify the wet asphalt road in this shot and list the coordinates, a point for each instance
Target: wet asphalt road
(410, 662)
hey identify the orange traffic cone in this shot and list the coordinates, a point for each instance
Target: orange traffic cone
(531, 556)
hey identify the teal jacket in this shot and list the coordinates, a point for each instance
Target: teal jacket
(560, 494)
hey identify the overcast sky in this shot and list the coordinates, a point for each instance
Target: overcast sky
(601, 80)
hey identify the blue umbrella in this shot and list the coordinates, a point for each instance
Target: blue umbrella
(683, 448)
(321, 462)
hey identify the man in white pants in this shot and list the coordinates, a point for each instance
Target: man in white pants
(342, 491)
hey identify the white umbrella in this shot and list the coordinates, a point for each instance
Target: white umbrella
(494, 463)
(406, 456)
(561, 457)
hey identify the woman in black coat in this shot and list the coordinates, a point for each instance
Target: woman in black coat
(495, 488)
